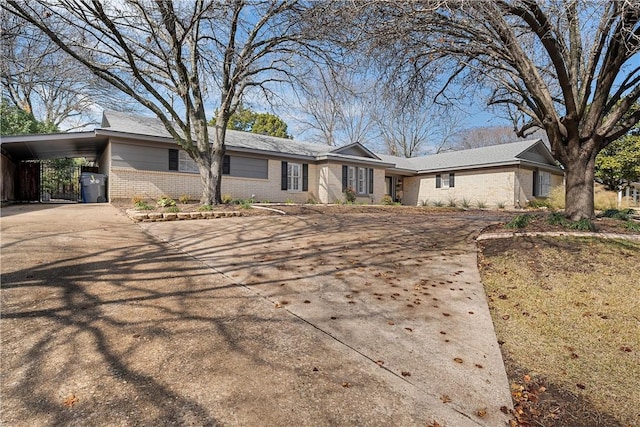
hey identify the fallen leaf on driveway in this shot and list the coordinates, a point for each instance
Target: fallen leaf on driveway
(70, 400)
(445, 398)
(458, 360)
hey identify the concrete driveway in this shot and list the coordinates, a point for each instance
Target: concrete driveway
(360, 319)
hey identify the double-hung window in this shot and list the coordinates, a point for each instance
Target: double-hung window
(293, 177)
(186, 163)
(445, 180)
(357, 179)
(541, 183)
(362, 181)
(351, 177)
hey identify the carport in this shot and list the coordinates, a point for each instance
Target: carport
(22, 156)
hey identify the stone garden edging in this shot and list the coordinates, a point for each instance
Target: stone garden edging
(138, 216)
(507, 235)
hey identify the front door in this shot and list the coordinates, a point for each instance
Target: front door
(390, 188)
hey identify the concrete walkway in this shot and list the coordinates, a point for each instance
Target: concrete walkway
(314, 320)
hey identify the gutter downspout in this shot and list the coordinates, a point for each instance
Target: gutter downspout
(516, 188)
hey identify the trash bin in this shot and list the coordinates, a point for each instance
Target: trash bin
(93, 187)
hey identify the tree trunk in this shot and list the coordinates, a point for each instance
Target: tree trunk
(208, 184)
(579, 203)
(216, 175)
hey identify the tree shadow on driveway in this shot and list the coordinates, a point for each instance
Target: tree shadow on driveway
(103, 324)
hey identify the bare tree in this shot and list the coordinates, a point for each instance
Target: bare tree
(414, 129)
(337, 104)
(569, 67)
(174, 57)
(321, 105)
(485, 136)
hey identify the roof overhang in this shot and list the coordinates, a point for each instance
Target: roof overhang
(54, 146)
(516, 162)
(354, 159)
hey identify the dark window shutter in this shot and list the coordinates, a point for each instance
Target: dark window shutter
(226, 165)
(438, 181)
(283, 181)
(452, 180)
(536, 183)
(305, 177)
(174, 159)
(345, 177)
(370, 180)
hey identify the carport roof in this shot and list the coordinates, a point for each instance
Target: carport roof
(88, 144)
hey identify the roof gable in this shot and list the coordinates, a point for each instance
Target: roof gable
(538, 153)
(355, 149)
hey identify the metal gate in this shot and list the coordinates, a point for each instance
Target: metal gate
(59, 180)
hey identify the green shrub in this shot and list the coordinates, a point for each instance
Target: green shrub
(226, 199)
(557, 218)
(466, 203)
(204, 208)
(142, 206)
(582, 225)
(245, 204)
(266, 201)
(311, 201)
(633, 226)
(622, 215)
(501, 205)
(350, 195)
(481, 204)
(137, 199)
(172, 209)
(453, 202)
(289, 201)
(539, 203)
(438, 203)
(184, 199)
(165, 201)
(519, 221)
(387, 200)
(425, 202)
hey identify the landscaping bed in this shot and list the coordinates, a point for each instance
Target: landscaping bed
(607, 222)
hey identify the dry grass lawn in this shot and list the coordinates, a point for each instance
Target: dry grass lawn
(567, 315)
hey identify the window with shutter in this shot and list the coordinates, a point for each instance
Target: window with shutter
(293, 176)
(284, 171)
(438, 181)
(226, 165)
(173, 159)
(345, 172)
(305, 177)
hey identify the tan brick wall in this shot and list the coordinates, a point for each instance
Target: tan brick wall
(525, 181)
(127, 182)
(330, 185)
(490, 186)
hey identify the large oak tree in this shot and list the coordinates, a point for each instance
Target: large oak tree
(569, 67)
